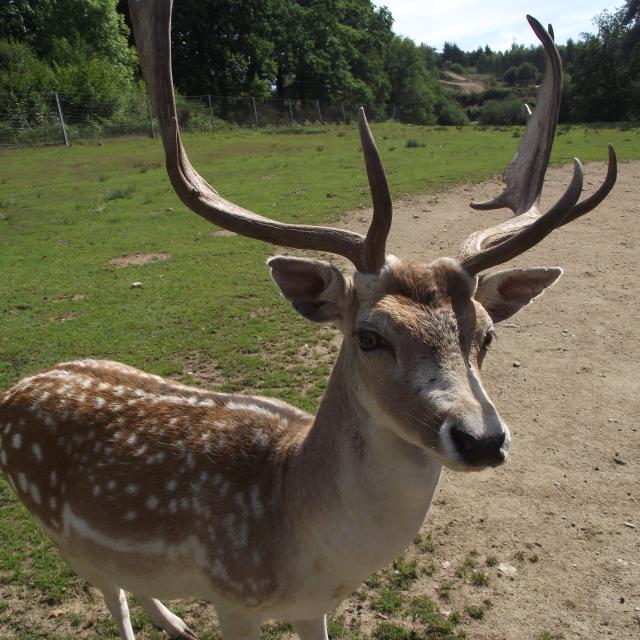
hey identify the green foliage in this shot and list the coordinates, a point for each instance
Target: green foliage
(476, 612)
(393, 631)
(502, 112)
(23, 81)
(413, 85)
(64, 31)
(325, 50)
(605, 74)
(338, 629)
(388, 601)
(76, 47)
(450, 113)
(511, 75)
(404, 573)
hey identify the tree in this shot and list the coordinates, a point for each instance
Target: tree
(413, 86)
(526, 73)
(511, 76)
(62, 31)
(604, 74)
(452, 53)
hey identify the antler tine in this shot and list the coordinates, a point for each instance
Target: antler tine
(531, 234)
(524, 176)
(151, 20)
(382, 206)
(590, 203)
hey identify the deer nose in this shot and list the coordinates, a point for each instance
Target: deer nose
(478, 450)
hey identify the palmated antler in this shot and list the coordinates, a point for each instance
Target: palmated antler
(524, 178)
(151, 21)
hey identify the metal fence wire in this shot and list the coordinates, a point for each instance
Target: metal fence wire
(60, 119)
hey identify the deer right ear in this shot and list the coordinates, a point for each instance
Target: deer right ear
(315, 289)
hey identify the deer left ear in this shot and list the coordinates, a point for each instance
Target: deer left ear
(504, 293)
(315, 289)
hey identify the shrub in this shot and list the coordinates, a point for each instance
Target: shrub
(452, 114)
(502, 112)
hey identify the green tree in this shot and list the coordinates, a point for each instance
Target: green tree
(64, 31)
(526, 73)
(413, 86)
(511, 76)
(604, 80)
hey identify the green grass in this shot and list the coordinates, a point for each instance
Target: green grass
(65, 213)
(388, 601)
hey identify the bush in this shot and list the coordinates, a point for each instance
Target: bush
(502, 112)
(511, 75)
(455, 67)
(527, 73)
(23, 81)
(452, 114)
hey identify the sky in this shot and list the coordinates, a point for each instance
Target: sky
(498, 23)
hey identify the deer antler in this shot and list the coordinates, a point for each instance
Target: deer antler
(151, 20)
(524, 179)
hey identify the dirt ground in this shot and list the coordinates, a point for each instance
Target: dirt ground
(564, 374)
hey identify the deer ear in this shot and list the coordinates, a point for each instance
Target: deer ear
(504, 293)
(315, 289)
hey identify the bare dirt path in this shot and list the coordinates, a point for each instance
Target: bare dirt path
(565, 374)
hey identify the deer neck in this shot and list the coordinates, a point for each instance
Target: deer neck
(347, 472)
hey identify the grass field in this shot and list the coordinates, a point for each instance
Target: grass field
(209, 312)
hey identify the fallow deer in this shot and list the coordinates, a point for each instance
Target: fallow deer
(168, 491)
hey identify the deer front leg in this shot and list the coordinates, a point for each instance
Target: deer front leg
(312, 629)
(165, 619)
(116, 601)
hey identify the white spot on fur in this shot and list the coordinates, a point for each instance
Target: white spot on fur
(3, 457)
(152, 502)
(34, 492)
(171, 485)
(130, 515)
(132, 439)
(22, 481)
(132, 488)
(97, 490)
(256, 504)
(16, 441)
(37, 451)
(53, 503)
(99, 402)
(53, 479)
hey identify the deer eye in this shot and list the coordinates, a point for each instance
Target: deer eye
(370, 340)
(488, 339)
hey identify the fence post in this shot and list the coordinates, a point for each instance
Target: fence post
(290, 111)
(213, 126)
(255, 112)
(344, 115)
(152, 133)
(64, 129)
(319, 112)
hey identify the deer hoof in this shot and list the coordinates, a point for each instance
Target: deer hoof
(187, 634)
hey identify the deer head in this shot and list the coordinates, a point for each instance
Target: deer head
(415, 335)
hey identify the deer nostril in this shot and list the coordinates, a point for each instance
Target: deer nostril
(463, 440)
(478, 450)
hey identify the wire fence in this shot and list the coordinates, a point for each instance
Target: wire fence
(60, 119)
